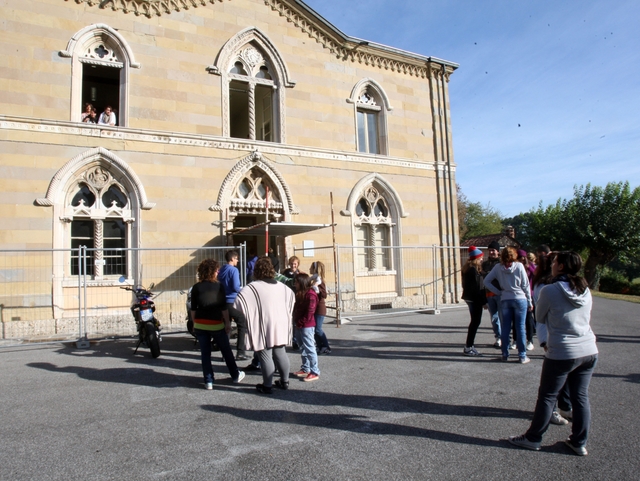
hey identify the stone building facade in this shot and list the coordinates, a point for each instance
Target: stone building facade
(215, 100)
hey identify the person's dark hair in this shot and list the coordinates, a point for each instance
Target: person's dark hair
(542, 275)
(207, 270)
(230, 255)
(508, 255)
(263, 269)
(302, 285)
(543, 249)
(572, 263)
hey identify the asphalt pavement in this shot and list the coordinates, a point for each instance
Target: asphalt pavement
(396, 399)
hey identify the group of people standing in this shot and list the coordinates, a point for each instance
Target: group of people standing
(509, 284)
(270, 312)
(90, 115)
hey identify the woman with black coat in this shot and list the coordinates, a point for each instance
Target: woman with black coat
(474, 295)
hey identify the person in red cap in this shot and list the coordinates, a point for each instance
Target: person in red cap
(474, 295)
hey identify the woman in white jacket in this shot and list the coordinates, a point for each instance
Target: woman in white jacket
(515, 299)
(268, 306)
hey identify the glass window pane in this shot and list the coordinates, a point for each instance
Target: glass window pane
(83, 195)
(114, 195)
(114, 229)
(372, 133)
(244, 189)
(362, 254)
(362, 132)
(239, 109)
(82, 230)
(382, 239)
(264, 115)
(114, 238)
(381, 209)
(363, 208)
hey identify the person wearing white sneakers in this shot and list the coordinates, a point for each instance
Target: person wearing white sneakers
(211, 321)
(571, 354)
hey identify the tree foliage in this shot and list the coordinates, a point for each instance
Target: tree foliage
(476, 219)
(603, 222)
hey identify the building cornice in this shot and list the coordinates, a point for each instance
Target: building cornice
(309, 22)
(203, 141)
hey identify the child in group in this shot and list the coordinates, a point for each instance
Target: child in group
(304, 320)
(317, 274)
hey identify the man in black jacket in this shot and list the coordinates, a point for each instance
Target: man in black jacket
(493, 301)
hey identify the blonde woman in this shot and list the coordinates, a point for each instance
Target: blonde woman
(317, 274)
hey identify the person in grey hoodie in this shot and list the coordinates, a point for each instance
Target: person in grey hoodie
(515, 300)
(564, 307)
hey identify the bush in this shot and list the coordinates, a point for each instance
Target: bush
(616, 283)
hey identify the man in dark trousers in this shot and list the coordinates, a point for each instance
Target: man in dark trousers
(229, 277)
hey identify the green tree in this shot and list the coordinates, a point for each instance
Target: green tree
(602, 222)
(476, 219)
(606, 221)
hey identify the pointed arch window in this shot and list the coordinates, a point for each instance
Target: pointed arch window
(254, 78)
(370, 106)
(251, 97)
(373, 224)
(100, 69)
(98, 210)
(250, 195)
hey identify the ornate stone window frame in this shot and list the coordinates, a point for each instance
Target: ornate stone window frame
(120, 55)
(64, 185)
(231, 204)
(239, 49)
(396, 212)
(368, 96)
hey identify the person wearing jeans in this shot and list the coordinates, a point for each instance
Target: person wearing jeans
(229, 277)
(317, 274)
(304, 319)
(514, 313)
(515, 300)
(571, 354)
(211, 321)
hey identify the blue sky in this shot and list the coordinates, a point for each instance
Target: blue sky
(547, 95)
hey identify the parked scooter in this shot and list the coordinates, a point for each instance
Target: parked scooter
(148, 326)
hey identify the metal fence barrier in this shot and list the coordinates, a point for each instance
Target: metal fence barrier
(53, 295)
(383, 279)
(67, 294)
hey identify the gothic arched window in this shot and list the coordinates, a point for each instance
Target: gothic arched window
(254, 80)
(371, 106)
(101, 60)
(373, 224)
(99, 213)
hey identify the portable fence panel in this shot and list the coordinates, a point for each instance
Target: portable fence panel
(324, 255)
(44, 295)
(34, 293)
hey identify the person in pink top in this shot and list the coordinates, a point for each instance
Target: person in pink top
(304, 319)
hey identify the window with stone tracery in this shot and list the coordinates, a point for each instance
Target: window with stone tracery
(373, 224)
(101, 61)
(371, 107)
(99, 213)
(252, 97)
(250, 195)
